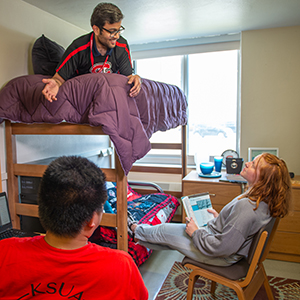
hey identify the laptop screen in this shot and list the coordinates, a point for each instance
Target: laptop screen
(5, 222)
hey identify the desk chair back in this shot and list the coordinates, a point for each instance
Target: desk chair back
(265, 251)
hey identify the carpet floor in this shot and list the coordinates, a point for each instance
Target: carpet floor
(176, 284)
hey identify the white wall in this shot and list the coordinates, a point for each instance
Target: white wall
(20, 25)
(270, 92)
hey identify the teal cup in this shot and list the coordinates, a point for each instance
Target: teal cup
(218, 163)
(206, 168)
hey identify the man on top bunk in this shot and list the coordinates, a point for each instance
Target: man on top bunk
(103, 50)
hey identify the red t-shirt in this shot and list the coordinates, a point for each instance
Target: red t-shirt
(31, 268)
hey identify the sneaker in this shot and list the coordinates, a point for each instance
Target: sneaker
(130, 221)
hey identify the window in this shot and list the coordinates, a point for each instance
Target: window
(168, 70)
(212, 98)
(210, 81)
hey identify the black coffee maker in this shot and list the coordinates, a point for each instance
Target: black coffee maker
(234, 165)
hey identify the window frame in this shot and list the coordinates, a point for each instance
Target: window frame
(184, 48)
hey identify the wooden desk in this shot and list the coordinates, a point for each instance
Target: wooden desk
(286, 243)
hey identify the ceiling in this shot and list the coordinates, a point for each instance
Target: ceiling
(162, 20)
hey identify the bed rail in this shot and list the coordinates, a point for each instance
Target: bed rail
(14, 169)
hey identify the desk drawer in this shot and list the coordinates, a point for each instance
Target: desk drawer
(221, 193)
(286, 242)
(290, 223)
(295, 199)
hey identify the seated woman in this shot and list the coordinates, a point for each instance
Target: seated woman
(227, 237)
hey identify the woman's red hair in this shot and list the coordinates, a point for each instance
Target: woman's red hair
(273, 185)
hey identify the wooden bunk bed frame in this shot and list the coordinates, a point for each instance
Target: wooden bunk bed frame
(14, 169)
(180, 169)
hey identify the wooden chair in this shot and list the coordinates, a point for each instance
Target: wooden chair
(246, 276)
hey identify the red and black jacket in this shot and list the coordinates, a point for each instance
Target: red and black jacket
(81, 57)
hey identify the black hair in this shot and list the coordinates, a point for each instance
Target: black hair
(71, 190)
(106, 12)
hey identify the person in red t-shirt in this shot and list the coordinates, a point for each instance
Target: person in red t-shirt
(103, 50)
(63, 263)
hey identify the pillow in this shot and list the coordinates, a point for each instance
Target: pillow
(46, 54)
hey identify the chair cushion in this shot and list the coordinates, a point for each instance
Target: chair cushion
(233, 272)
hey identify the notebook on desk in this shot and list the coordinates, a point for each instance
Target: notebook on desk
(6, 230)
(235, 178)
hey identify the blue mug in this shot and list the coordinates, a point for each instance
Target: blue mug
(218, 163)
(206, 168)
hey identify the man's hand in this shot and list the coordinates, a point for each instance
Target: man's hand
(137, 82)
(190, 226)
(52, 86)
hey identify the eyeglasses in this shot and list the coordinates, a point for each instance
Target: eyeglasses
(114, 32)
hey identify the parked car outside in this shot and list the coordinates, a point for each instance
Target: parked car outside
(205, 130)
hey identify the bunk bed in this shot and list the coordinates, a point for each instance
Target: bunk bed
(92, 104)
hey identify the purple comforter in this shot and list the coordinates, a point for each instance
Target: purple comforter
(100, 99)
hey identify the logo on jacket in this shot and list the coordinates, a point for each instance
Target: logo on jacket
(101, 68)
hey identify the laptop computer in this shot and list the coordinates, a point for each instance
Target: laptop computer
(6, 230)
